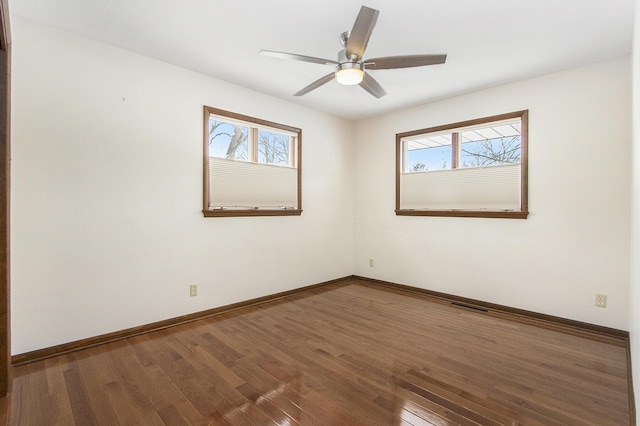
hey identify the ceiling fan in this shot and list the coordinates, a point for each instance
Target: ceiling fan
(350, 66)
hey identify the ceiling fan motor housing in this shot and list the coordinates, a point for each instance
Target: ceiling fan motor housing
(346, 63)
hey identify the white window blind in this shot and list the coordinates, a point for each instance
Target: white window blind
(244, 184)
(490, 188)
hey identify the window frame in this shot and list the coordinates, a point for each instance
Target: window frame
(522, 213)
(254, 125)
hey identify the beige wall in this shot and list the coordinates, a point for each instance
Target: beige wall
(107, 224)
(575, 242)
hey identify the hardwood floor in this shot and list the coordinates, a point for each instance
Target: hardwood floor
(348, 354)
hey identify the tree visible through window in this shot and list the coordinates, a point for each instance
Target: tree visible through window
(273, 148)
(228, 140)
(492, 152)
(231, 141)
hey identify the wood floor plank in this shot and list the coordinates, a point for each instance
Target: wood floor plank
(59, 398)
(81, 406)
(17, 412)
(97, 368)
(331, 384)
(299, 400)
(350, 354)
(153, 359)
(171, 416)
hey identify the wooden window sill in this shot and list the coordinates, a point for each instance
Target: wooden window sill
(251, 212)
(465, 213)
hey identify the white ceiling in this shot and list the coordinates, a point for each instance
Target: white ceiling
(488, 42)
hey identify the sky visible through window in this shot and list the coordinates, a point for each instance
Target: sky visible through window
(483, 153)
(434, 158)
(494, 144)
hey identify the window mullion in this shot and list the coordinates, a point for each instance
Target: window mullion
(455, 150)
(253, 145)
(403, 164)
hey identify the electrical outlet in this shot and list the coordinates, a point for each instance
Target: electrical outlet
(601, 300)
(371, 263)
(193, 290)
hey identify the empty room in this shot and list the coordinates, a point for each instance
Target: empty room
(332, 213)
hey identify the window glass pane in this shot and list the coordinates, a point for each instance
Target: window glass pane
(273, 148)
(491, 152)
(428, 153)
(228, 140)
(490, 146)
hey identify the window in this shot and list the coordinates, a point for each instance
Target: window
(251, 166)
(475, 168)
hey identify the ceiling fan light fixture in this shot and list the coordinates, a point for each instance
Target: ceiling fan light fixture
(350, 73)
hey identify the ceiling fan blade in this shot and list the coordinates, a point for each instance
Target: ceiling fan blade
(408, 61)
(319, 82)
(360, 33)
(371, 85)
(303, 58)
